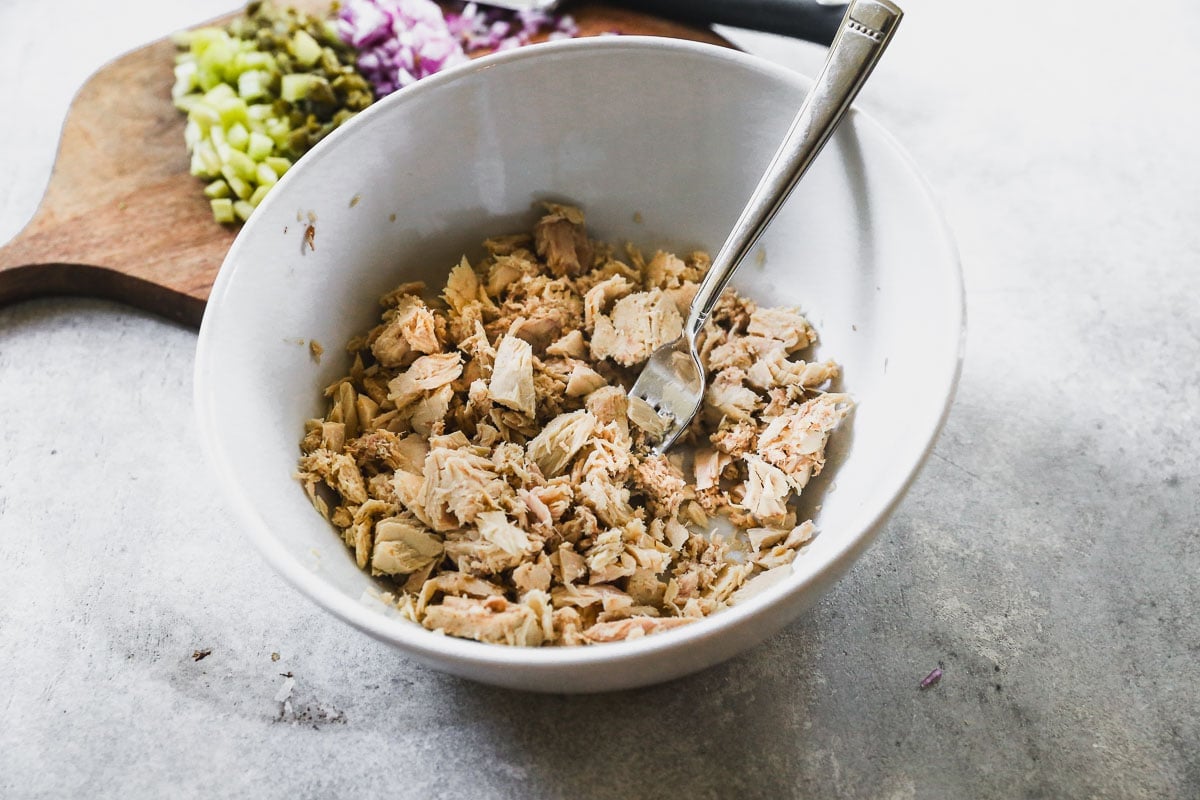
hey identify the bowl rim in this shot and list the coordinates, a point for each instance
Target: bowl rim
(432, 648)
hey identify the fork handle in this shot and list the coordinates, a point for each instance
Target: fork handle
(864, 34)
(811, 20)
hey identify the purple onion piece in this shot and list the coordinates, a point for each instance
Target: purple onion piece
(401, 41)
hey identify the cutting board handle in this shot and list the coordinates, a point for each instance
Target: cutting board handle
(121, 217)
(35, 280)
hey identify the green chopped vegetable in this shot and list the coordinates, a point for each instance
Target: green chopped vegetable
(258, 94)
(243, 209)
(265, 176)
(222, 209)
(240, 188)
(259, 194)
(217, 189)
(237, 136)
(298, 86)
(280, 165)
(253, 84)
(260, 147)
(305, 48)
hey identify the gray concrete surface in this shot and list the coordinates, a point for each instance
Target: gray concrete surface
(1047, 558)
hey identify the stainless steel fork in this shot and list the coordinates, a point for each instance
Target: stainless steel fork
(673, 380)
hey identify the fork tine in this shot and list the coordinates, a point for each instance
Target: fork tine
(672, 383)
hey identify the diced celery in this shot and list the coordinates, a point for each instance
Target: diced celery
(200, 38)
(187, 102)
(207, 80)
(202, 45)
(260, 112)
(217, 188)
(305, 48)
(222, 209)
(243, 209)
(265, 175)
(205, 161)
(297, 86)
(239, 186)
(254, 60)
(185, 79)
(237, 136)
(252, 84)
(231, 110)
(192, 134)
(197, 166)
(203, 112)
(242, 164)
(222, 91)
(212, 161)
(211, 60)
(260, 146)
(278, 129)
(258, 195)
(215, 54)
(278, 163)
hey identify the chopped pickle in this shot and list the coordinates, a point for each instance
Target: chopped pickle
(299, 85)
(258, 94)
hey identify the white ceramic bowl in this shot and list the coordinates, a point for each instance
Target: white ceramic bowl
(674, 132)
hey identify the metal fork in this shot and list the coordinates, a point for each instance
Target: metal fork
(673, 380)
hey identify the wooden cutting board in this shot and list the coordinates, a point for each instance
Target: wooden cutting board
(123, 219)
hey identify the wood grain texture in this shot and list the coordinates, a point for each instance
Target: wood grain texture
(122, 218)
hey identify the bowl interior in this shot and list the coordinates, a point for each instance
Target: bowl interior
(660, 142)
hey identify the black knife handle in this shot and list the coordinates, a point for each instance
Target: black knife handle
(802, 19)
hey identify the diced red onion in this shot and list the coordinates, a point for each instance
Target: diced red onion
(399, 41)
(402, 41)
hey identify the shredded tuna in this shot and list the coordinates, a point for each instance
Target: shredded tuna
(562, 241)
(403, 547)
(483, 460)
(631, 628)
(640, 324)
(512, 375)
(560, 440)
